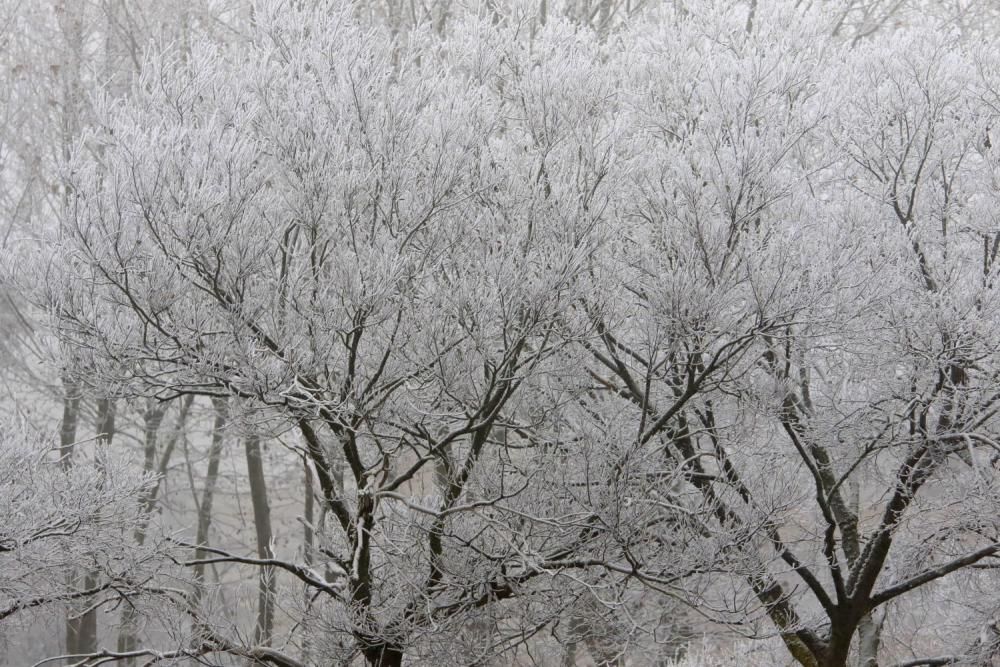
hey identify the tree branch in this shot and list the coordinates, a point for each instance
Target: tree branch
(931, 574)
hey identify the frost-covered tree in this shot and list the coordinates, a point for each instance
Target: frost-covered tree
(57, 518)
(375, 247)
(565, 321)
(804, 345)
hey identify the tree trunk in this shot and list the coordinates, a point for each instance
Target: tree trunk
(262, 524)
(869, 639)
(383, 656)
(81, 627)
(70, 420)
(208, 494)
(149, 501)
(67, 442)
(308, 556)
(800, 652)
(153, 420)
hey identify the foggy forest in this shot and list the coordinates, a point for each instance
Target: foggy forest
(610, 333)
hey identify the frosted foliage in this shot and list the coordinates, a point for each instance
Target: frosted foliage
(595, 331)
(57, 518)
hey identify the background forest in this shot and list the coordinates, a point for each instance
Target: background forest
(476, 332)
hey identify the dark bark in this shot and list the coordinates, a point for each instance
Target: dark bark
(309, 514)
(105, 426)
(67, 440)
(81, 627)
(208, 491)
(383, 656)
(70, 420)
(152, 418)
(309, 546)
(262, 525)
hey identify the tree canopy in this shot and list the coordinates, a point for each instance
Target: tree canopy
(594, 334)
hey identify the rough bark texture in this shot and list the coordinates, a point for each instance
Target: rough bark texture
(869, 639)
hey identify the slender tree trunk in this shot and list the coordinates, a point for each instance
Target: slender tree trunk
(70, 421)
(71, 27)
(105, 426)
(308, 555)
(177, 432)
(262, 524)
(153, 420)
(309, 512)
(67, 443)
(208, 493)
(81, 628)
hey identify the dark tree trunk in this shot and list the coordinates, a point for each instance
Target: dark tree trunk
(309, 544)
(70, 420)
(262, 524)
(67, 442)
(81, 628)
(208, 492)
(105, 426)
(384, 656)
(152, 418)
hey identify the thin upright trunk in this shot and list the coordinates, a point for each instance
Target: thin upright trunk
(262, 524)
(150, 499)
(70, 421)
(309, 511)
(153, 420)
(67, 72)
(81, 627)
(208, 493)
(67, 442)
(308, 556)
